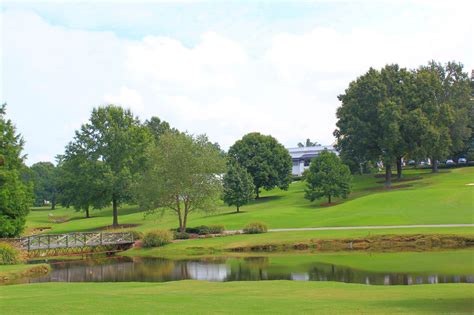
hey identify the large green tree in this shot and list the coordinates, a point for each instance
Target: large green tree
(372, 115)
(267, 161)
(82, 183)
(15, 194)
(182, 175)
(443, 95)
(111, 146)
(45, 183)
(238, 186)
(327, 177)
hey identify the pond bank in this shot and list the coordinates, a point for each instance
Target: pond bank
(304, 241)
(10, 273)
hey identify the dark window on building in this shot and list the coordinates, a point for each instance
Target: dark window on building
(307, 162)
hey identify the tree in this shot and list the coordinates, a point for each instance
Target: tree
(45, 183)
(308, 143)
(82, 183)
(182, 175)
(438, 115)
(238, 186)
(327, 177)
(15, 195)
(111, 145)
(267, 161)
(370, 119)
(443, 94)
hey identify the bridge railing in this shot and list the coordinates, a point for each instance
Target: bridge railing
(71, 240)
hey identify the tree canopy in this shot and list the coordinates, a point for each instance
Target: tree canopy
(45, 183)
(15, 195)
(327, 177)
(182, 175)
(265, 159)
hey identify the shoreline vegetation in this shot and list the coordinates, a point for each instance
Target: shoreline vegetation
(13, 273)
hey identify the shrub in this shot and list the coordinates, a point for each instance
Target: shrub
(9, 255)
(255, 228)
(137, 235)
(157, 238)
(181, 235)
(203, 230)
(216, 229)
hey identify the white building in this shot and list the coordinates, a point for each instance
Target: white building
(302, 157)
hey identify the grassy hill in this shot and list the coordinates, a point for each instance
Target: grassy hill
(422, 198)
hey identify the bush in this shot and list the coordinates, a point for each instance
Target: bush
(203, 230)
(9, 255)
(157, 238)
(216, 229)
(181, 235)
(137, 235)
(255, 228)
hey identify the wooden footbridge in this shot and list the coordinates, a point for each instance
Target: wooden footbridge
(76, 243)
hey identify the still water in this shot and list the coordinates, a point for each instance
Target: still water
(123, 269)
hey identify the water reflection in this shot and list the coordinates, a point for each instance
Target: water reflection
(122, 269)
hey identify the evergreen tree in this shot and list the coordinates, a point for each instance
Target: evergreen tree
(238, 186)
(15, 195)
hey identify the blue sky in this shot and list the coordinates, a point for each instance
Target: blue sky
(222, 68)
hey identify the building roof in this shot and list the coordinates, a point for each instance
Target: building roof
(309, 152)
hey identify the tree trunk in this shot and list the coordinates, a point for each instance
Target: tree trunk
(434, 165)
(399, 167)
(53, 204)
(115, 211)
(182, 229)
(329, 199)
(388, 175)
(361, 168)
(238, 210)
(87, 212)
(185, 219)
(257, 192)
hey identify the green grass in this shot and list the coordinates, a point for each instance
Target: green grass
(434, 199)
(264, 297)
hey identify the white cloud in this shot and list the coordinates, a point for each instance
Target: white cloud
(127, 98)
(53, 76)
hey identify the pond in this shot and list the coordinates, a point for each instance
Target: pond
(286, 267)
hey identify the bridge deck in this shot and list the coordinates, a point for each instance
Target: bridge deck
(75, 240)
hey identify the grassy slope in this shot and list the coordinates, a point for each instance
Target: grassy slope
(435, 199)
(267, 297)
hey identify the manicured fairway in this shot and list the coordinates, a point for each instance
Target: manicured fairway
(434, 199)
(264, 297)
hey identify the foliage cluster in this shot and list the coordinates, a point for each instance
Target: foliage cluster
(9, 255)
(255, 228)
(157, 238)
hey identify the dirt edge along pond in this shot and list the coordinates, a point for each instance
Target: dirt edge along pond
(416, 242)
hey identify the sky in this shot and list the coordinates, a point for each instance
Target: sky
(223, 68)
